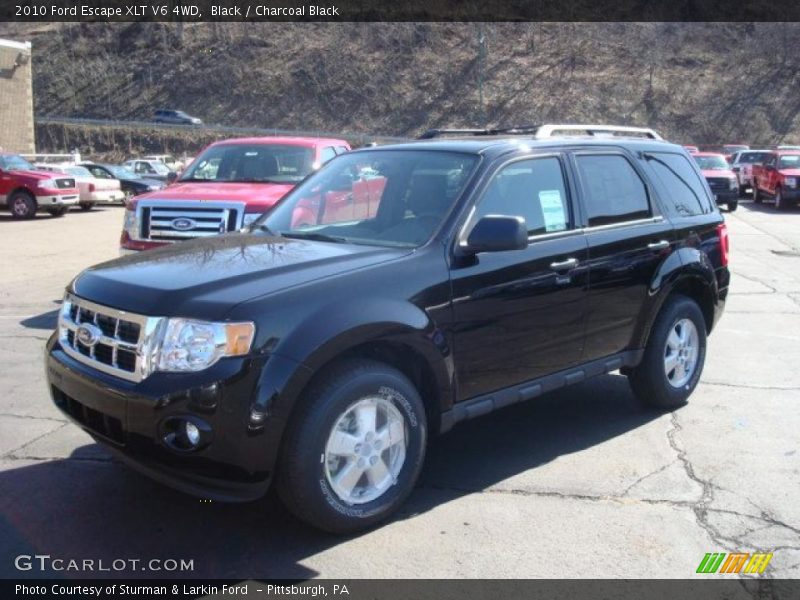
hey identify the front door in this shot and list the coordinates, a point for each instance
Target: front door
(520, 314)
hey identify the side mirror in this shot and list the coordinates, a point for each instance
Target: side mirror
(498, 233)
(172, 177)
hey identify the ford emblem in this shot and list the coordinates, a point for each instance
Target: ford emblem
(88, 335)
(183, 224)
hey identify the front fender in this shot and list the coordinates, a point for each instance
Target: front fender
(335, 329)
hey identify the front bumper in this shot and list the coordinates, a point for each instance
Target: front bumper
(129, 418)
(47, 200)
(723, 197)
(104, 196)
(791, 194)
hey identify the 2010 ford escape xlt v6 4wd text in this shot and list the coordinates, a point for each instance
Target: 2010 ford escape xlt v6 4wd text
(392, 294)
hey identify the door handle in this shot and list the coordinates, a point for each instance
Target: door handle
(659, 245)
(564, 265)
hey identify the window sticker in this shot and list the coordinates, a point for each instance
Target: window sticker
(555, 218)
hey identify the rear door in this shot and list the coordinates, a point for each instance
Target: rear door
(628, 238)
(520, 314)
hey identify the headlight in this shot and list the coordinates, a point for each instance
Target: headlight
(733, 184)
(189, 345)
(791, 181)
(47, 184)
(250, 218)
(154, 188)
(130, 223)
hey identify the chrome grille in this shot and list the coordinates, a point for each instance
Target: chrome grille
(64, 183)
(171, 221)
(719, 184)
(121, 341)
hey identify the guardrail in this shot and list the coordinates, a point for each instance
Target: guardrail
(356, 138)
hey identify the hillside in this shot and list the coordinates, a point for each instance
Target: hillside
(701, 83)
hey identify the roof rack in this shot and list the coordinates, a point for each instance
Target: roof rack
(549, 130)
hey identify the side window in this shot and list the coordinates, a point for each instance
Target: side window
(613, 190)
(341, 149)
(327, 153)
(682, 188)
(533, 189)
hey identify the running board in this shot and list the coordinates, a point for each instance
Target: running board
(482, 405)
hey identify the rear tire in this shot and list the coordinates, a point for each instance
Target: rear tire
(22, 205)
(58, 212)
(674, 357)
(354, 447)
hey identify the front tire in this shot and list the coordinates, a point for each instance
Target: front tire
(733, 205)
(780, 202)
(22, 205)
(674, 357)
(757, 197)
(87, 205)
(58, 212)
(354, 447)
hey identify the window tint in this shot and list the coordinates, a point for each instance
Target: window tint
(613, 191)
(327, 153)
(683, 190)
(533, 189)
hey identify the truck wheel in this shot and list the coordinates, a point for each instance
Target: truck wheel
(22, 205)
(87, 205)
(757, 198)
(354, 448)
(780, 203)
(674, 357)
(58, 212)
(733, 205)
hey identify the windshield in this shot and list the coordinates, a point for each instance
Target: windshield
(78, 171)
(789, 161)
(382, 198)
(122, 172)
(752, 157)
(712, 163)
(252, 163)
(14, 162)
(159, 167)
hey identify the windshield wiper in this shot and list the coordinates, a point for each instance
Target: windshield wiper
(315, 236)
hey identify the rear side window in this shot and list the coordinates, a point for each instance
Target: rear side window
(533, 189)
(613, 190)
(683, 190)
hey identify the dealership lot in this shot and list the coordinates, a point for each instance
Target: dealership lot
(580, 483)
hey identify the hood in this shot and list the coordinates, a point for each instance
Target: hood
(262, 195)
(205, 278)
(718, 173)
(39, 175)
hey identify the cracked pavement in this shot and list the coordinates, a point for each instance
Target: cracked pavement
(579, 483)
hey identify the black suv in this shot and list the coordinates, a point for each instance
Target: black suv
(395, 292)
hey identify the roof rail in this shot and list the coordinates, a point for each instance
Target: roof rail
(546, 131)
(551, 130)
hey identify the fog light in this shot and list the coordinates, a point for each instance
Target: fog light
(192, 433)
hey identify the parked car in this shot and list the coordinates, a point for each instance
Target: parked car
(25, 191)
(131, 183)
(229, 185)
(742, 166)
(92, 189)
(777, 178)
(730, 149)
(721, 179)
(172, 163)
(175, 117)
(151, 169)
(321, 357)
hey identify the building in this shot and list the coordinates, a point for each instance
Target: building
(16, 97)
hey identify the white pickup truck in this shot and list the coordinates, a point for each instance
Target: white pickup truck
(742, 164)
(93, 190)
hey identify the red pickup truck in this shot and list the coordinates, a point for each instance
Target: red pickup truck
(228, 186)
(26, 191)
(777, 177)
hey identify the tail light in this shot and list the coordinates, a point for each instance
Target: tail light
(91, 187)
(724, 243)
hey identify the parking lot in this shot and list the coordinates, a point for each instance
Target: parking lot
(579, 483)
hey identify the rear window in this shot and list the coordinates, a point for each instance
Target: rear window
(682, 189)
